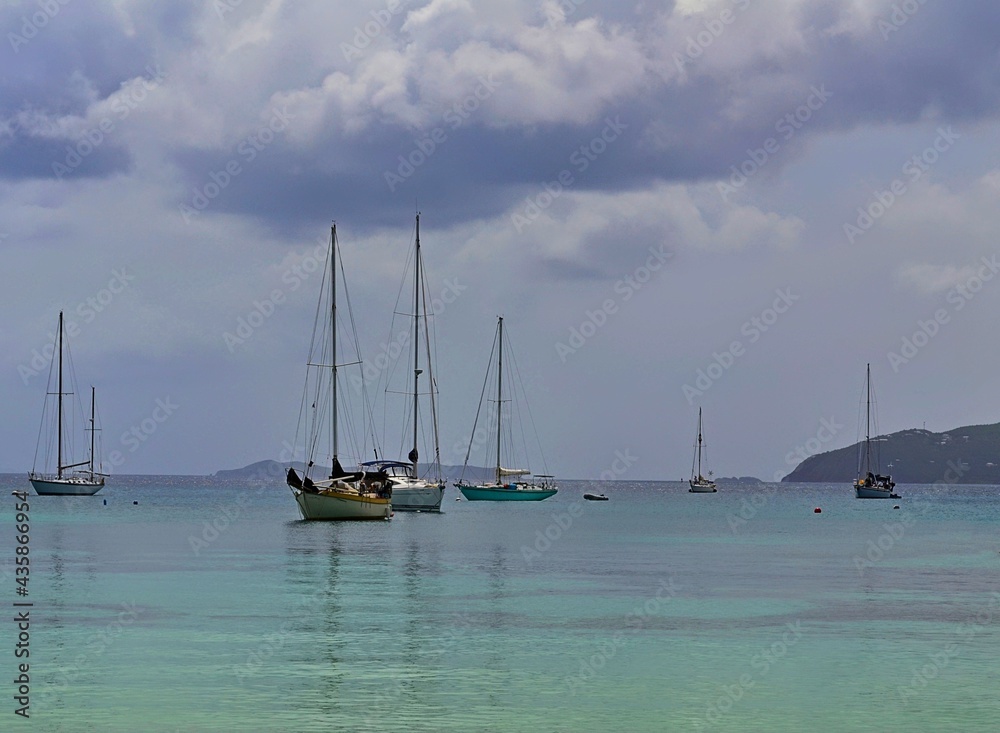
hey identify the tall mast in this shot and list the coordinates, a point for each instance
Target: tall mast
(699, 442)
(59, 421)
(868, 412)
(416, 343)
(333, 344)
(92, 428)
(499, 391)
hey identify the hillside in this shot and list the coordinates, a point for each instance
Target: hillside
(967, 455)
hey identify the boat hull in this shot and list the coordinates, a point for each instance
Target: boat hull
(65, 487)
(331, 506)
(503, 493)
(417, 498)
(873, 492)
(701, 487)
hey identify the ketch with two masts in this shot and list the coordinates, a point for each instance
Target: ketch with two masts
(64, 482)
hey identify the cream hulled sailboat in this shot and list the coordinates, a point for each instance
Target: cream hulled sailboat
(341, 494)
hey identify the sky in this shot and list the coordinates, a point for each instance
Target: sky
(725, 204)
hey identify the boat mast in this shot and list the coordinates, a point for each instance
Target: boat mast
(699, 443)
(499, 392)
(416, 343)
(333, 344)
(868, 412)
(59, 420)
(92, 427)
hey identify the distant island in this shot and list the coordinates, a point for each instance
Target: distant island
(967, 455)
(738, 480)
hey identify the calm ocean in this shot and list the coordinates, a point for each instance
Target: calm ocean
(208, 606)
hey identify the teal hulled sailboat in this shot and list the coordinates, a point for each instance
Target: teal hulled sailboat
(509, 484)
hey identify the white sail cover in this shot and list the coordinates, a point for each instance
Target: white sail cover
(514, 472)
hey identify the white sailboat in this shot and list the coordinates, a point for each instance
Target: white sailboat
(510, 484)
(82, 482)
(412, 492)
(870, 484)
(342, 494)
(698, 483)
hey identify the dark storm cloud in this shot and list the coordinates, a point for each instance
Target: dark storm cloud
(896, 70)
(58, 60)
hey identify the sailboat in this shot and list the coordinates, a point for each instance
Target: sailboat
(509, 484)
(698, 483)
(410, 492)
(342, 494)
(64, 482)
(871, 484)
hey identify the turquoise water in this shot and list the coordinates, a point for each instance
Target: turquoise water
(659, 610)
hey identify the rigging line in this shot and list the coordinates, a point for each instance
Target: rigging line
(45, 401)
(482, 394)
(432, 383)
(386, 375)
(516, 406)
(527, 405)
(302, 423)
(391, 368)
(352, 429)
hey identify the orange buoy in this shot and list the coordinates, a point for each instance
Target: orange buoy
(817, 510)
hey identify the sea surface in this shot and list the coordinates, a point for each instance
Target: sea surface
(190, 604)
